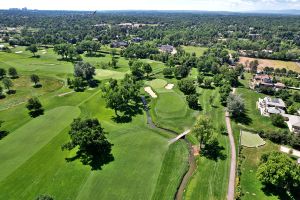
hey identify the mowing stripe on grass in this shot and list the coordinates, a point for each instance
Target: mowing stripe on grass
(21, 144)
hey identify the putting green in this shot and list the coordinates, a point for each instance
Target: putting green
(102, 74)
(157, 83)
(170, 104)
(251, 140)
(21, 144)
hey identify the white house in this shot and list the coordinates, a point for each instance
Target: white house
(269, 106)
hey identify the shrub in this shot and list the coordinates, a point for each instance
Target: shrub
(277, 120)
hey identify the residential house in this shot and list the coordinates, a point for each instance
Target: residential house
(119, 44)
(293, 122)
(268, 106)
(137, 39)
(166, 48)
(265, 80)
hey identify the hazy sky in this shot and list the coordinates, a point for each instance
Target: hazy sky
(213, 5)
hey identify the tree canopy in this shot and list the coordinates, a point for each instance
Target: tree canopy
(93, 147)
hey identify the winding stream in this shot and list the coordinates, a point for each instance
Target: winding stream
(192, 162)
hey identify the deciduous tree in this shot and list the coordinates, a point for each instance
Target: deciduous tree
(32, 48)
(93, 147)
(35, 107)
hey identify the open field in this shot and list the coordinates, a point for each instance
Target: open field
(210, 181)
(33, 163)
(192, 49)
(289, 65)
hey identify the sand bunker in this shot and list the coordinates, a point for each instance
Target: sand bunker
(19, 52)
(150, 92)
(169, 86)
(66, 93)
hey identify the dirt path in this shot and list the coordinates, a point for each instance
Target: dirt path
(231, 185)
(192, 162)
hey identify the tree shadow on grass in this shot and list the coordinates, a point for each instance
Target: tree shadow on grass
(11, 92)
(3, 134)
(128, 113)
(243, 119)
(36, 113)
(96, 159)
(214, 151)
(271, 190)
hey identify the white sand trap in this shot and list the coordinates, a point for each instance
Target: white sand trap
(150, 92)
(19, 52)
(169, 86)
(44, 52)
(66, 93)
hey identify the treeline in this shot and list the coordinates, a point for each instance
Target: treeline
(260, 36)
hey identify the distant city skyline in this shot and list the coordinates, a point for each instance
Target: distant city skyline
(204, 5)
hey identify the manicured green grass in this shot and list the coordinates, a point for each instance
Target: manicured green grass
(23, 143)
(192, 49)
(102, 74)
(46, 65)
(251, 186)
(210, 180)
(175, 164)
(171, 111)
(251, 139)
(33, 163)
(157, 83)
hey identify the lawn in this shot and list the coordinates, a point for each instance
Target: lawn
(24, 142)
(210, 181)
(192, 49)
(33, 163)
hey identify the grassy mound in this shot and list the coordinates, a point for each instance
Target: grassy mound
(170, 105)
(251, 140)
(171, 111)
